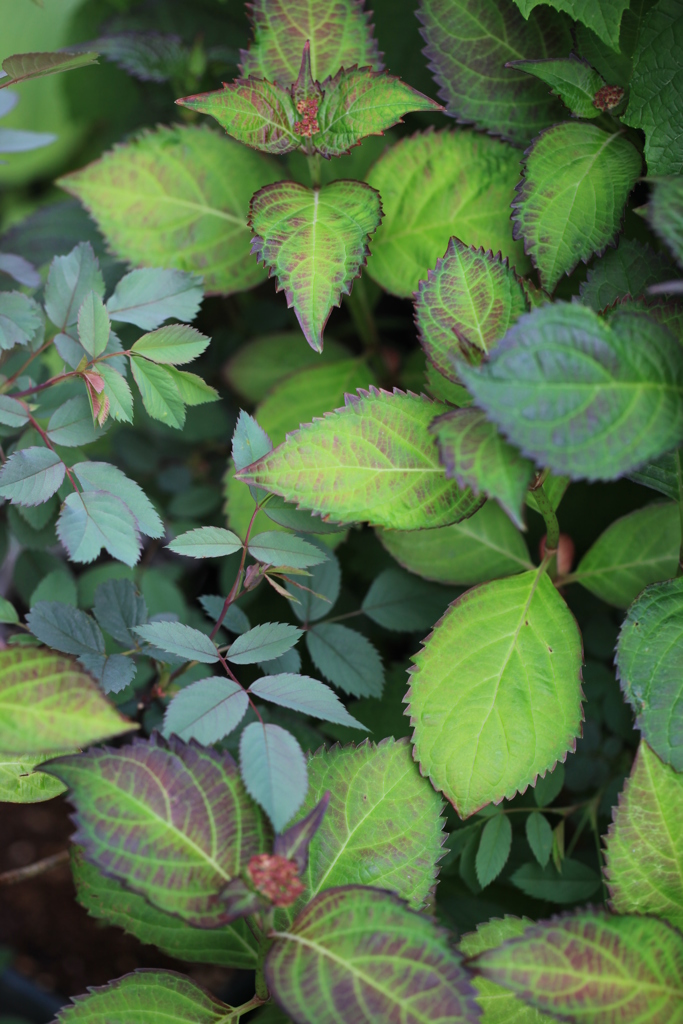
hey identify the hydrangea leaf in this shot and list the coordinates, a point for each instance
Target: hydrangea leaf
(665, 212)
(19, 319)
(469, 43)
(601, 16)
(315, 241)
(373, 460)
(194, 187)
(92, 520)
(627, 270)
(346, 658)
(274, 770)
(304, 694)
(587, 398)
(21, 781)
(495, 694)
(156, 810)
(438, 184)
(570, 78)
(206, 710)
(147, 297)
(254, 111)
(22, 66)
(660, 475)
(31, 476)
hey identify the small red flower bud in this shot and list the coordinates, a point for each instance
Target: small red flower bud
(275, 877)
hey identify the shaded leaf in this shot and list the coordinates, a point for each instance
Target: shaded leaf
(184, 641)
(58, 585)
(539, 835)
(31, 476)
(263, 643)
(274, 771)
(175, 344)
(601, 16)
(576, 884)
(570, 78)
(12, 412)
(665, 212)
(627, 270)
(69, 280)
(346, 658)
(206, 542)
(148, 297)
(302, 693)
(206, 710)
(102, 476)
(323, 586)
(278, 548)
(19, 319)
(22, 66)
(65, 628)
(158, 390)
(399, 601)
(92, 520)
(93, 325)
(114, 672)
(19, 269)
(72, 424)
(266, 360)
(235, 620)
(494, 849)
(549, 786)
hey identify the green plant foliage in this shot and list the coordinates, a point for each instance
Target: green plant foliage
(31, 476)
(399, 601)
(576, 884)
(660, 475)
(19, 319)
(603, 16)
(577, 179)
(346, 658)
(503, 661)
(494, 849)
(276, 548)
(627, 270)
(570, 78)
(266, 360)
(206, 710)
(263, 643)
(665, 210)
(21, 783)
(438, 184)
(539, 835)
(274, 770)
(22, 66)
(206, 542)
(148, 297)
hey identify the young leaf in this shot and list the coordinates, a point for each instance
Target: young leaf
(191, 388)
(346, 658)
(206, 542)
(469, 43)
(627, 270)
(31, 476)
(601, 16)
(359, 953)
(206, 711)
(503, 662)
(315, 241)
(70, 279)
(399, 601)
(615, 390)
(539, 835)
(294, 844)
(274, 771)
(64, 628)
(304, 694)
(19, 319)
(570, 78)
(323, 586)
(372, 460)
(277, 548)
(184, 641)
(93, 325)
(12, 412)
(494, 849)
(156, 810)
(102, 476)
(256, 112)
(263, 643)
(577, 179)
(665, 212)
(194, 187)
(48, 705)
(21, 781)
(148, 297)
(72, 424)
(636, 550)
(603, 968)
(22, 66)
(117, 393)
(175, 344)
(158, 390)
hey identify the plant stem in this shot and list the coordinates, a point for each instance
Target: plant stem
(314, 169)
(235, 589)
(261, 987)
(35, 869)
(551, 524)
(679, 474)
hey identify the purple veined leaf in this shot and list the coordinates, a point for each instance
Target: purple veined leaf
(273, 768)
(294, 843)
(20, 269)
(31, 476)
(304, 694)
(171, 820)
(240, 900)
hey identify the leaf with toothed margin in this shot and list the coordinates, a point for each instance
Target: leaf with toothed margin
(474, 453)
(304, 694)
(570, 78)
(588, 398)
(273, 768)
(346, 658)
(147, 297)
(601, 16)
(593, 967)
(659, 475)
(92, 520)
(571, 199)
(467, 302)
(181, 640)
(495, 696)
(31, 476)
(627, 270)
(206, 710)
(315, 241)
(469, 43)
(357, 953)
(373, 460)
(171, 820)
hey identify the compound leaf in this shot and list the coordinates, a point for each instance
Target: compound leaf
(494, 849)
(570, 78)
(321, 596)
(206, 711)
(72, 424)
(206, 542)
(175, 344)
(276, 548)
(346, 658)
(12, 412)
(147, 297)
(31, 476)
(249, 442)
(191, 388)
(274, 770)
(539, 836)
(304, 694)
(92, 520)
(19, 319)
(117, 392)
(184, 641)
(263, 643)
(64, 628)
(93, 325)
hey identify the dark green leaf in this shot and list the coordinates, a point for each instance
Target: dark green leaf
(153, 996)
(576, 884)
(627, 270)
(494, 849)
(266, 360)
(570, 78)
(660, 475)
(273, 768)
(65, 628)
(346, 658)
(70, 279)
(549, 786)
(601, 16)
(19, 319)
(22, 66)
(235, 620)
(399, 601)
(665, 212)
(539, 835)
(323, 586)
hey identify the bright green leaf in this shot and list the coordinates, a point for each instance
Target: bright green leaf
(570, 78)
(191, 388)
(175, 344)
(21, 783)
(254, 111)
(160, 395)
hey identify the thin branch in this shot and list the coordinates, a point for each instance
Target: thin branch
(33, 870)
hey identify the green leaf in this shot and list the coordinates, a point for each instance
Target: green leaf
(265, 361)
(372, 460)
(480, 548)
(64, 628)
(158, 390)
(360, 954)
(665, 213)
(494, 849)
(191, 388)
(31, 476)
(174, 637)
(48, 704)
(92, 520)
(235, 620)
(118, 393)
(194, 187)
(346, 658)
(304, 694)
(19, 319)
(22, 66)
(277, 509)
(468, 301)
(660, 475)
(249, 442)
(575, 884)
(495, 697)
(72, 424)
(8, 612)
(601, 16)
(549, 786)
(323, 585)
(12, 412)
(590, 399)
(594, 967)
(469, 43)
(475, 455)
(438, 184)
(539, 835)
(649, 665)
(108, 900)
(206, 542)
(636, 550)
(20, 783)
(70, 279)
(399, 601)
(156, 810)
(656, 88)
(263, 643)
(315, 241)
(627, 270)
(577, 179)
(118, 607)
(570, 78)
(102, 476)
(273, 768)
(206, 711)
(277, 548)
(339, 36)
(175, 344)
(93, 325)
(148, 297)
(256, 112)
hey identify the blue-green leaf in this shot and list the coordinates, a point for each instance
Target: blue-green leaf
(277, 548)
(93, 520)
(65, 629)
(12, 413)
(118, 608)
(19, 319)
(262, 643)
(147, 297)
(70, 279)
(102, 476)
(206, 542)
(346, 658)
(31, 476)
(178, 639)
(305, 694)
(118, 392)
(400, 601)
(235, 620)
(273, 769)
(206, 711)
(93, 325)
(322, 590)
(72, 424)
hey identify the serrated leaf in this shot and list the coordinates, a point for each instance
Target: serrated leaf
(635, 550)
(249, 441)
(273, 768)
(117, 392)
(206, 711)
(22, 66)
(399, 601)
(660, 475)
(47, 704)
(323, 586)
(155, 801)
(497, 682)
(346, 658)
(102, 476)
(31, 476)
(601, 16)
(118, 607)
(277, 509)
(627, 270)
(494, 849)
(368, 957)
(206, 542)
(147, 297)
(19, 319)
(315, 241)
(603, 968)
(590, 399)
(175, 344)
(372, 460)
(277, 548)
(304, 694)
(114, 672)
(539, 835)
(469, 43)
(191, 388)
(21, 783)
(254, 111)
(69, 280)
(184, 641)
(576, 181)
(570, 78)
(576, 884)
(665, 213)
(235, 620)
(263, 643)
(158, 390)
(92, 520)
(64, 628)
(72, 424)
(12, 412)
(93, 325)
(435, 185)
(194, 187)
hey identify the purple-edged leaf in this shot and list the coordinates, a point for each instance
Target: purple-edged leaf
(31, 476)
(315, 242)
(295, 842)
(240, 900)
(206, 711)
(171, 820)
(469, 43)
(467, 302)
(274, 771)
(594, 968)
(475, 454)
(304, 694)
(360, 954)
(254, 111)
